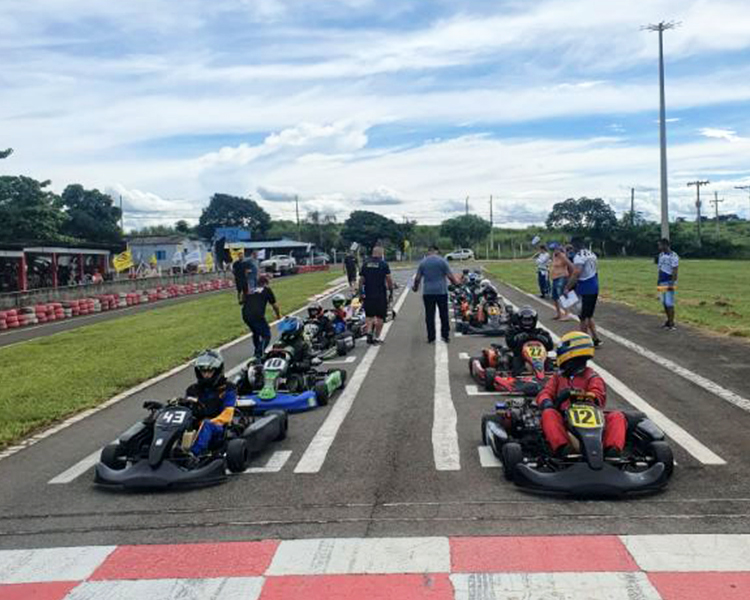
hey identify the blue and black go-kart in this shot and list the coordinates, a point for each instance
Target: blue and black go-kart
(515, 436)
(329, 337)
(153, 453)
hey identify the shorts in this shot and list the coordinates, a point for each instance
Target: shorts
(558, 287)
(588, 304)
(667, 298)
(352, 277)
(376, 306)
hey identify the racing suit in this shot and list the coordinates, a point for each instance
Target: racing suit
(516, 337)
(215, 407)
(553, 424)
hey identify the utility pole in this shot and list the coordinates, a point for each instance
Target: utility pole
(716, 203)
(747, 189)
(296, 207)
(467, 206)
(492, 236)
(632, 207)
(122, 216)
(661, 28)
(698, 184)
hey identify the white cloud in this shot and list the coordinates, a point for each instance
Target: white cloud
(722, 134)
(381, 196)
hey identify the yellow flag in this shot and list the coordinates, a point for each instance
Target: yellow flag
(236, 254)
(153, 260)
(123, 261)
(209, 262)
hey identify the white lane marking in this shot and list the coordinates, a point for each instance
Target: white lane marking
(10, 451)
(274, 465)
(692, 445)
(473, 390)
(690, 553)
(226, 588)
(361, 555)
(51, 564)
(458, 334)
(444, 435)
(463, 356)
(315, 455)
(710, 386)
(341, 361)
(487, 458)
(613, 586)
(78, 469)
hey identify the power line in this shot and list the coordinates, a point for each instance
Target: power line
(698, 184)
(661, 28)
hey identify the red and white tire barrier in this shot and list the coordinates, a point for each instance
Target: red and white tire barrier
(56, 311)
(647, 567)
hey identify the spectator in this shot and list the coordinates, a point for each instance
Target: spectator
(350, 268)
(542, 259)
(245, 270)
(561, 270)
(669, 264)
(376, 286)
(254, 314)
(436, 272)
(585, 281)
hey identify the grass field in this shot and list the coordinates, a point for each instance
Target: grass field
(712, 294)
(48, 379)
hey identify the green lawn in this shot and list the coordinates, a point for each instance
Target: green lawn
(48, 379)
(712, 294)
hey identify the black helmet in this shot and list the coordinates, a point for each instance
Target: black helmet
(314, 310)
(466, 271)
(490, 292)
(527, 318)
(209, 367)
(291, 328)
(338, 301)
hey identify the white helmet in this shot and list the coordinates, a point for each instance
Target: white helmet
(484, 284)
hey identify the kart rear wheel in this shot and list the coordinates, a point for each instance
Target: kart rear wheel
(283, 417)
(113, 456)
(237, 455)
(341, 347)
(321, 393)
(512, 457)
(662, 453)
(489, 379)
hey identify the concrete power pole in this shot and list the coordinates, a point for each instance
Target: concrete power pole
(661, 28)
(296, 207)
(492, 227)
(698, 185)
(747, 189)
(467, 206)
(716, 203)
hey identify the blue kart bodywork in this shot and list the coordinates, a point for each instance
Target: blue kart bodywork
(290, 403)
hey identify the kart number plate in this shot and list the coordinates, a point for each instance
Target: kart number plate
(174, 417)
(585, 417)
(535, 351)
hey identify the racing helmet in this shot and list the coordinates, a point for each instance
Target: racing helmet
(574, 350)
(338, 301)
(291, 328)
(527, 318)
(484, 284)
(209, 367)
(466, 272)
(314, 310)
(473, 277)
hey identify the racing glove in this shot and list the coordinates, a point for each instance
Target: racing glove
(546, 403)
(562, 397)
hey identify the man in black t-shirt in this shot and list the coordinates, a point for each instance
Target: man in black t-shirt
(376, 285)
(254, 314)
(350, 268)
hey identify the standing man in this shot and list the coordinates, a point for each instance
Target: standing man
(436, 272)
(254, 314)
(542, 259)
(350, 268)
(585, 281)
(669, 264)
(375, 286)
(245, 270)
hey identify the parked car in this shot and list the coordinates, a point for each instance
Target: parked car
(461, 254)
(279, 263)
(319, 258)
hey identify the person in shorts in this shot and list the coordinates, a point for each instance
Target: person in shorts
(542, 259)
(376, 286)
(585, 281)
(669, 264)
(560, 271)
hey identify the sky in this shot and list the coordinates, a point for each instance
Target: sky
(403, 107)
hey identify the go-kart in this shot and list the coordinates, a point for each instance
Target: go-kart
(355, 317)
(493, 369)
(515, 436)
(329, 336)
(489, 318)
(275, 384)
(153, 453)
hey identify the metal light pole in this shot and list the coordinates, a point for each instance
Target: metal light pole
(661, 27)
(492, 236)
(296, 207)
(467, 206)
(747, 189)
(698, 185)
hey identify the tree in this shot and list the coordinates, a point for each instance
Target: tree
(155, 230)
(232, 211)
(28, 211)
(92, 215)
(321, 230)
(590, 217)
(466, 230)
(369, 228)
(6, 153)
(183, 226)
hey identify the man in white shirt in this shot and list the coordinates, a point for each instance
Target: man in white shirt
(585, 281)
(543, 260)
(669, 264)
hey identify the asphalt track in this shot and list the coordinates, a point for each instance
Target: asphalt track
(398, 454)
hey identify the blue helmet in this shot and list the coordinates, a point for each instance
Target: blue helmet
(291, 328)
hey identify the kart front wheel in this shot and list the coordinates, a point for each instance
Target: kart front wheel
(237, 455)
(342, 347)
(321, 393)
(112, 456)
(512, 456)
(489, 379)
(494, 418)
(662, 454)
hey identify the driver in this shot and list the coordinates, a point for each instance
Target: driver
(573, 353)
(214, 400)
(339, 311)
(523, 328)
(293, 340)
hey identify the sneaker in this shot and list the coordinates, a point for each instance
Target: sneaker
(672, 328)
(430, 341)
(447, 340)
(377, 342)
(369, 338)
(597, 342)
(666, 325)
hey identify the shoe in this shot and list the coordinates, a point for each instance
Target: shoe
(666, 325)
(447, 340)
(377, 342)
(430, 341)
(597, 342)
(672, 328)
(369, 339)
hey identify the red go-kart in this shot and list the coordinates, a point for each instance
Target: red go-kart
(494, 369)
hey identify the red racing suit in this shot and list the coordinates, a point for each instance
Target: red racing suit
(553, 424)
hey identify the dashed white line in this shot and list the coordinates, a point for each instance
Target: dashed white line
(274, 465)
(444, 435)
(341, 361)
(473, 390)
(487, 458)
(463, 356)
(77, 469)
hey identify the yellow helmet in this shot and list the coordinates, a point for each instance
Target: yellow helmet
(573, 344)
